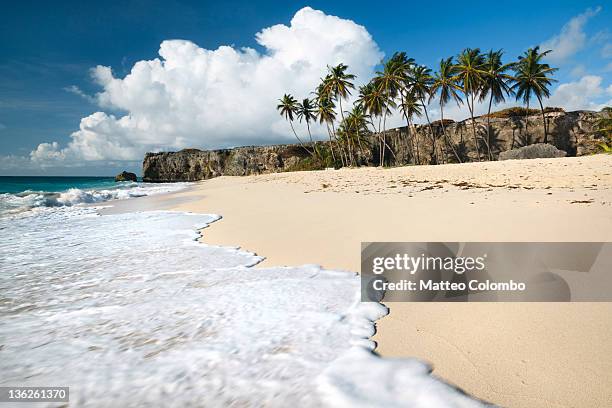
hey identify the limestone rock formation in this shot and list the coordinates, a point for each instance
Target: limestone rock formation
(126, 176)
(571, 132)
(194, 164)
(534, 151)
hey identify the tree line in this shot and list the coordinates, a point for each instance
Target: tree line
(404, 86)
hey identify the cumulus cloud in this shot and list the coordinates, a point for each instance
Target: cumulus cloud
(195, 97)
(581, 94)
(571, 39)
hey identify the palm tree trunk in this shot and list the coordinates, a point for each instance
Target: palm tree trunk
(408, 143)
(300, 140)
(471, 108)
(348, 140)
(331, 144)
(543, 120)
(433, 136)
(340, 149)
(314, 146)
(489, 127)
(408, 131)
(384, 139)
(527, 120)
(380, 143)
(448, 141)
(415, 139)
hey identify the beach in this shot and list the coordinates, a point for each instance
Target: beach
(517, 355)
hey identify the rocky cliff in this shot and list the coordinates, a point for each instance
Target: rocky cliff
(568, 131)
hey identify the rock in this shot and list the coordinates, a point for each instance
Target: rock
(126, 176)
(534, 151)
(194, 164)
(570, 132)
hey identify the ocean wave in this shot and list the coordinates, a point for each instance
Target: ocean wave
(130, 310)
(27, 200)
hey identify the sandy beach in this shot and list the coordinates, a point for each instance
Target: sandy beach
(511, 354)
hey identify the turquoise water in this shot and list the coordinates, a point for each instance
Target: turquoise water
(18, 184)
(22, 193)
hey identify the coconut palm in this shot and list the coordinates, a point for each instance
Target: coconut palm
(603, 129)
(445, 82)
(471, 72)
(338, 85)
(375, 104)
(390, 81)
(419, 84)
(357, 121)
(532, 78)
(411, 107)
(306, 111)
(327, 114)
(288, 108)
(496, 84)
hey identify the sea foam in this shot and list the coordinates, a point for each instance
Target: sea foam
(130, 310)
(26, 200)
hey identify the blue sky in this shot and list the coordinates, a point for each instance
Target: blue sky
(49, 48)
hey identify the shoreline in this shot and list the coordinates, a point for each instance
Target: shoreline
(330, 212)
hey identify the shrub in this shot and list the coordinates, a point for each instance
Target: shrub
(521, 111)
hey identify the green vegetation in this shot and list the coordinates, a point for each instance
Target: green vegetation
(402, 85)
(532, 79)
(603, 129)
(518, 111)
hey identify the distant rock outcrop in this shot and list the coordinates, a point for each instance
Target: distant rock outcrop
(534, 151)
(571, 132)
(126, 176)
(194, 164)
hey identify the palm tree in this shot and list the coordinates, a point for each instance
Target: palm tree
(445, 82)
(471, 71)
(327, 114)
(306, 111)
(603, 128)
(532, 78)
(496, 84)
(411, 107)
(374, 103)
(288, 107)
(419, 84)
(357, 121)
(390, 81)
(338, 84)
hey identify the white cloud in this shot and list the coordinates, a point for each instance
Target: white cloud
(12, 162)
(581, 94)
(606, 51)
(194, 97)
(571, 39)
(47, 152)
(578, 71)
(77, 91)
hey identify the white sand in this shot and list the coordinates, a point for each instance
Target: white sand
(518, 355)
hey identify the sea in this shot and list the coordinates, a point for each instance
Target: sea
(130, 309)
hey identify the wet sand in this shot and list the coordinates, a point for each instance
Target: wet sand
(517, 355)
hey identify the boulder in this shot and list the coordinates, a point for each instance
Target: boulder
(534, 151)
(126, 176)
